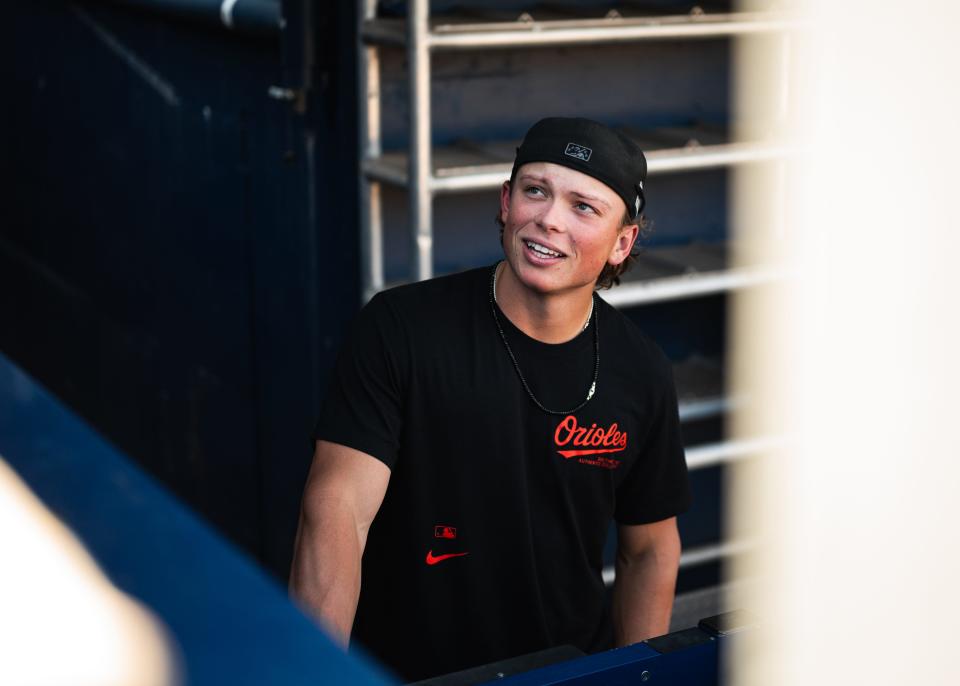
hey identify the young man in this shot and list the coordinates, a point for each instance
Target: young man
(482, 430)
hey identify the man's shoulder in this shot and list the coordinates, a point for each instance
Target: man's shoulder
(423, 306)
(427, 295)
(628, 339)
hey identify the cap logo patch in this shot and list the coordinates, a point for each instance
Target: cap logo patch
(636, 206)
(581, 152)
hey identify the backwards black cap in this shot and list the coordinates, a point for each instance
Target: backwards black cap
(592, 148)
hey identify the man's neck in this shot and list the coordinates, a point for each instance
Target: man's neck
(549, 318)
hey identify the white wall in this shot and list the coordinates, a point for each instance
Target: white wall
(857, 359)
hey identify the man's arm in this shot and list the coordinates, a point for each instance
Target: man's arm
(648, 556)
(343, 494)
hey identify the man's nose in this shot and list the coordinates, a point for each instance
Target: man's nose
(550, 218)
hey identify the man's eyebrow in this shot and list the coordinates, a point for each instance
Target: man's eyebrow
(533, 177)
(591, 198)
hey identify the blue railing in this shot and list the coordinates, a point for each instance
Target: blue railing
(231, 622)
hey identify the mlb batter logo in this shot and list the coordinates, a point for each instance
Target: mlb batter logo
(442, 531)
(581, 152)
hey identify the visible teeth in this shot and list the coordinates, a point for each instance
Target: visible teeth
(544, 250)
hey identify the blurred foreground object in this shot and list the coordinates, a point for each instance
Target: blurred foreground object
(63, 622)
(854, 357)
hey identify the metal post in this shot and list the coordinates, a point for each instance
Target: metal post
(785, 66)
(783, 123)
(371, 213)
(420, 192)
(590, 32)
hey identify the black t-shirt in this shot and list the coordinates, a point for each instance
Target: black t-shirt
(489, 541)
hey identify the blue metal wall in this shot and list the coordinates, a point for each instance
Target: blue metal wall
(177, 247)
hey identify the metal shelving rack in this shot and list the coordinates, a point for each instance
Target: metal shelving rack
(425, 172)
(662, 274)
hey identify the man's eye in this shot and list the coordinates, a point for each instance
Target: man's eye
(584, 207)
(534, 190)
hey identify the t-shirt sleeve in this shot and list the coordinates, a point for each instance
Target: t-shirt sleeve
(657, 486)
(363, 408)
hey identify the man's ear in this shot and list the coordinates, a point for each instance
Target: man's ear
(626, 237)
(504, 201)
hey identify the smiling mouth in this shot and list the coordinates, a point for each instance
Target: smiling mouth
(542, 251)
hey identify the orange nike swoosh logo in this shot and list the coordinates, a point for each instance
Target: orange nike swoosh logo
(434, 559)
(574, 453)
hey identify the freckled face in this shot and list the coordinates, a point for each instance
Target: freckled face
(561, 227)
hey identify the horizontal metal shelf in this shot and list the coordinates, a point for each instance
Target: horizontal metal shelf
(470, 166)
(689, 286)
(675, 287)
(543, 28)
(698, 556)
(686, 271)
(664, 274)
(718, 551)
(700, 388)
(692, 410)
(691, 606)
(725, 452)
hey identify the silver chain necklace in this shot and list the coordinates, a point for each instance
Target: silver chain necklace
(596, 349)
